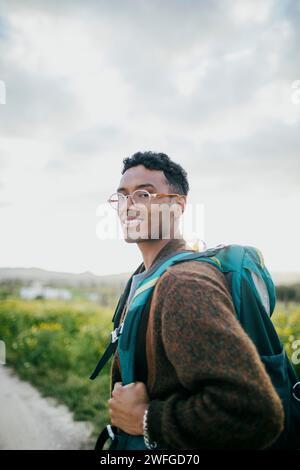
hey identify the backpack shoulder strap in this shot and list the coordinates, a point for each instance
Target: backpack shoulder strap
(112, 346)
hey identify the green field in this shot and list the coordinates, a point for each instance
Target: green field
(286, 319)
(55, 345)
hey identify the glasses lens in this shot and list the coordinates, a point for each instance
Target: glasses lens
(115, 200)
(140, 196)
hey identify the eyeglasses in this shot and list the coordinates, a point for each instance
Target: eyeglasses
(139, 196)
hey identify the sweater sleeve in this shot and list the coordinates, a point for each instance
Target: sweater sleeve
(228, 400)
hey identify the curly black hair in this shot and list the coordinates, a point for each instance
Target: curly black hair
(174, 173)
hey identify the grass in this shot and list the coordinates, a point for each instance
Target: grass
(286, 319)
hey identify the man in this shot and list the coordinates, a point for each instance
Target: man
(199, 380)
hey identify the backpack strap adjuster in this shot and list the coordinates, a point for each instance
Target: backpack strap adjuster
(116, 333)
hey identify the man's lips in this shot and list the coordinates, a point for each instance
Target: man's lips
(131, 221)
(132, 217)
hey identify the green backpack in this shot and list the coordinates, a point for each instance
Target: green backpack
(254, 297)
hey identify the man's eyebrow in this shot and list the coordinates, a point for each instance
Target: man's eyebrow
(144, 185)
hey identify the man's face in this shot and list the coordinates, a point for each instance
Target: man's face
(155, 219)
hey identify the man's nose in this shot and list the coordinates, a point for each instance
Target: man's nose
(129, 202)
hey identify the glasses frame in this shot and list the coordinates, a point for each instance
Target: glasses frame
(125, 196)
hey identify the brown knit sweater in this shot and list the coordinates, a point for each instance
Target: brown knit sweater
(208, 388)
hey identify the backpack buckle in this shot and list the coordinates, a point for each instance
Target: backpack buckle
(116, 333)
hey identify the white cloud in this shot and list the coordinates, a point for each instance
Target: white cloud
(257, 11)
(89, 84)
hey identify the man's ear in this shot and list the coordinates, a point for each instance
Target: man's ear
(181, 200)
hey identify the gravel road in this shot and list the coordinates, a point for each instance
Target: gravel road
(29, 421)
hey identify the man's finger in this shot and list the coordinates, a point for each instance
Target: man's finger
(131, 384)
(118, 385)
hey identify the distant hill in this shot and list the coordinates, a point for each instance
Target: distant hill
(87, 278)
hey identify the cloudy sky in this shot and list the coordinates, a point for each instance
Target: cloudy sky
(214, 84)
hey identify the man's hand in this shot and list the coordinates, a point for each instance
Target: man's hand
(127, 407)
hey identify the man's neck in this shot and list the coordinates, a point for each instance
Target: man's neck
(150, 249)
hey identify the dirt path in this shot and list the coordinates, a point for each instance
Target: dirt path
(29, 421)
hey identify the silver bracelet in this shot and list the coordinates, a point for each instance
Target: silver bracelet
(148, 443)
